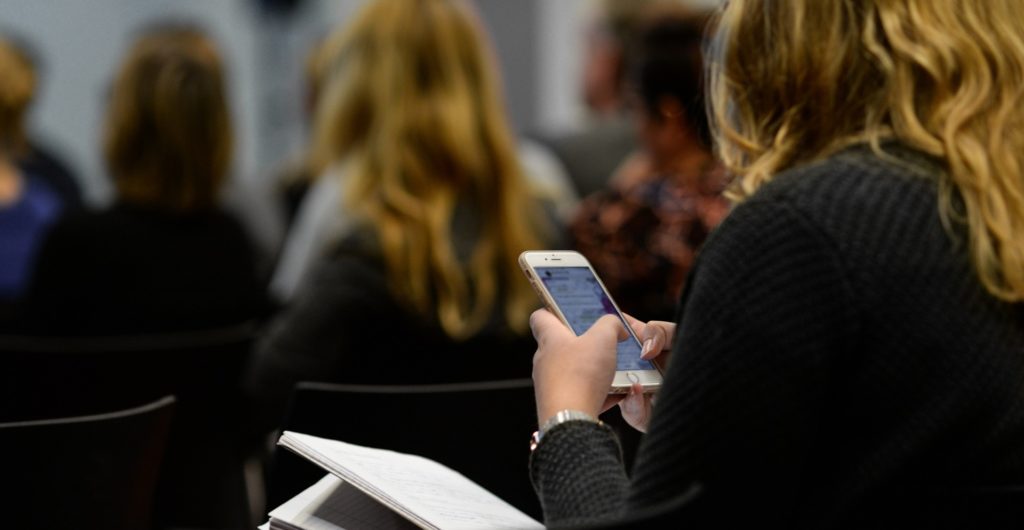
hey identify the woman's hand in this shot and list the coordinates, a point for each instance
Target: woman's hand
(656, 338)
(571, 372)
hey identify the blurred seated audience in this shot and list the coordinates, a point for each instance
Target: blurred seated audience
(642, 233)
(424, 276)
(28, 205)
(163, 257)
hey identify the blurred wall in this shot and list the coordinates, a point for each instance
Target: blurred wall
(561, 26)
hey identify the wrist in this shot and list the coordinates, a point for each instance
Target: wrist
(544, 417)
(558, 418)
(549, 405)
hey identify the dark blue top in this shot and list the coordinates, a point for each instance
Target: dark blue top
(23, 225)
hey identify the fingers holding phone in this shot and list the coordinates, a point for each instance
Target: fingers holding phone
(571, 290)
(656, 338)
(569, 371)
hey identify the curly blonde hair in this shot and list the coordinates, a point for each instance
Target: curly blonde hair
(796, 80)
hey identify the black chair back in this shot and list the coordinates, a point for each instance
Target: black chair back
(481, 430)
(65, 376)
(203, 483)
(96, 471)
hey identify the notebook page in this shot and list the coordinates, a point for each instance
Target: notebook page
(433, 493)
(333, 504)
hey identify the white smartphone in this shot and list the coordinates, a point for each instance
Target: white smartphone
(572, 291)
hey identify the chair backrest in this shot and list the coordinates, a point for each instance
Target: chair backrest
(95, 471)
(203, 483)
(481, 430)
(69, 376)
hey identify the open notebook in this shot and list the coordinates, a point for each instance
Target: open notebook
(376, 484)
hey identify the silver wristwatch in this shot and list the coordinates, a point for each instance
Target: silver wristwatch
(559, 418)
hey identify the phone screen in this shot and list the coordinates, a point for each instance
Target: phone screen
(582, 300)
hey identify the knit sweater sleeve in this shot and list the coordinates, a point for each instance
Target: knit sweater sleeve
(766, 317)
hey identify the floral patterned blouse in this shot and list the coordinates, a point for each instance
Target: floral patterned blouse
(643, 233)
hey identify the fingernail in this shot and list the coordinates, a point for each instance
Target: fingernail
(648, 344)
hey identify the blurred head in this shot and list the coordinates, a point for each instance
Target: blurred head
(17, 88)
(666, 76)
(412, 105)
(796, 80)
(168, 133)
(604, 62)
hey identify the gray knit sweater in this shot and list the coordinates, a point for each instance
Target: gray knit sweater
(837, 365)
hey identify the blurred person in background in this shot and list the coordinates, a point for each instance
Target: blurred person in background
(643, 232)
(28, 205)
(37, 158)
(164, 257)
(424, 276)
(315, 185)
(591, 153)
(605, 61)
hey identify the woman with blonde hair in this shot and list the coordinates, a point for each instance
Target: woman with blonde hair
(318, 220)
(850, 350)
(435, 210)
(165, 256)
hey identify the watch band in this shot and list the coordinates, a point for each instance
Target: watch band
(559, 418)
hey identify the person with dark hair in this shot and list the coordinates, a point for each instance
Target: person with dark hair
(592, 153)
(164, 257)
(643, 232)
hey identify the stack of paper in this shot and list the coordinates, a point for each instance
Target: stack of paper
(377, 486)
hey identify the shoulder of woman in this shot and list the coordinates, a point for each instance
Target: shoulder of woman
(856, 176)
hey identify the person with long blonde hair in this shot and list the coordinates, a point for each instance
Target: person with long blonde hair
(850, 348)
(456, 56)
(435, 207)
